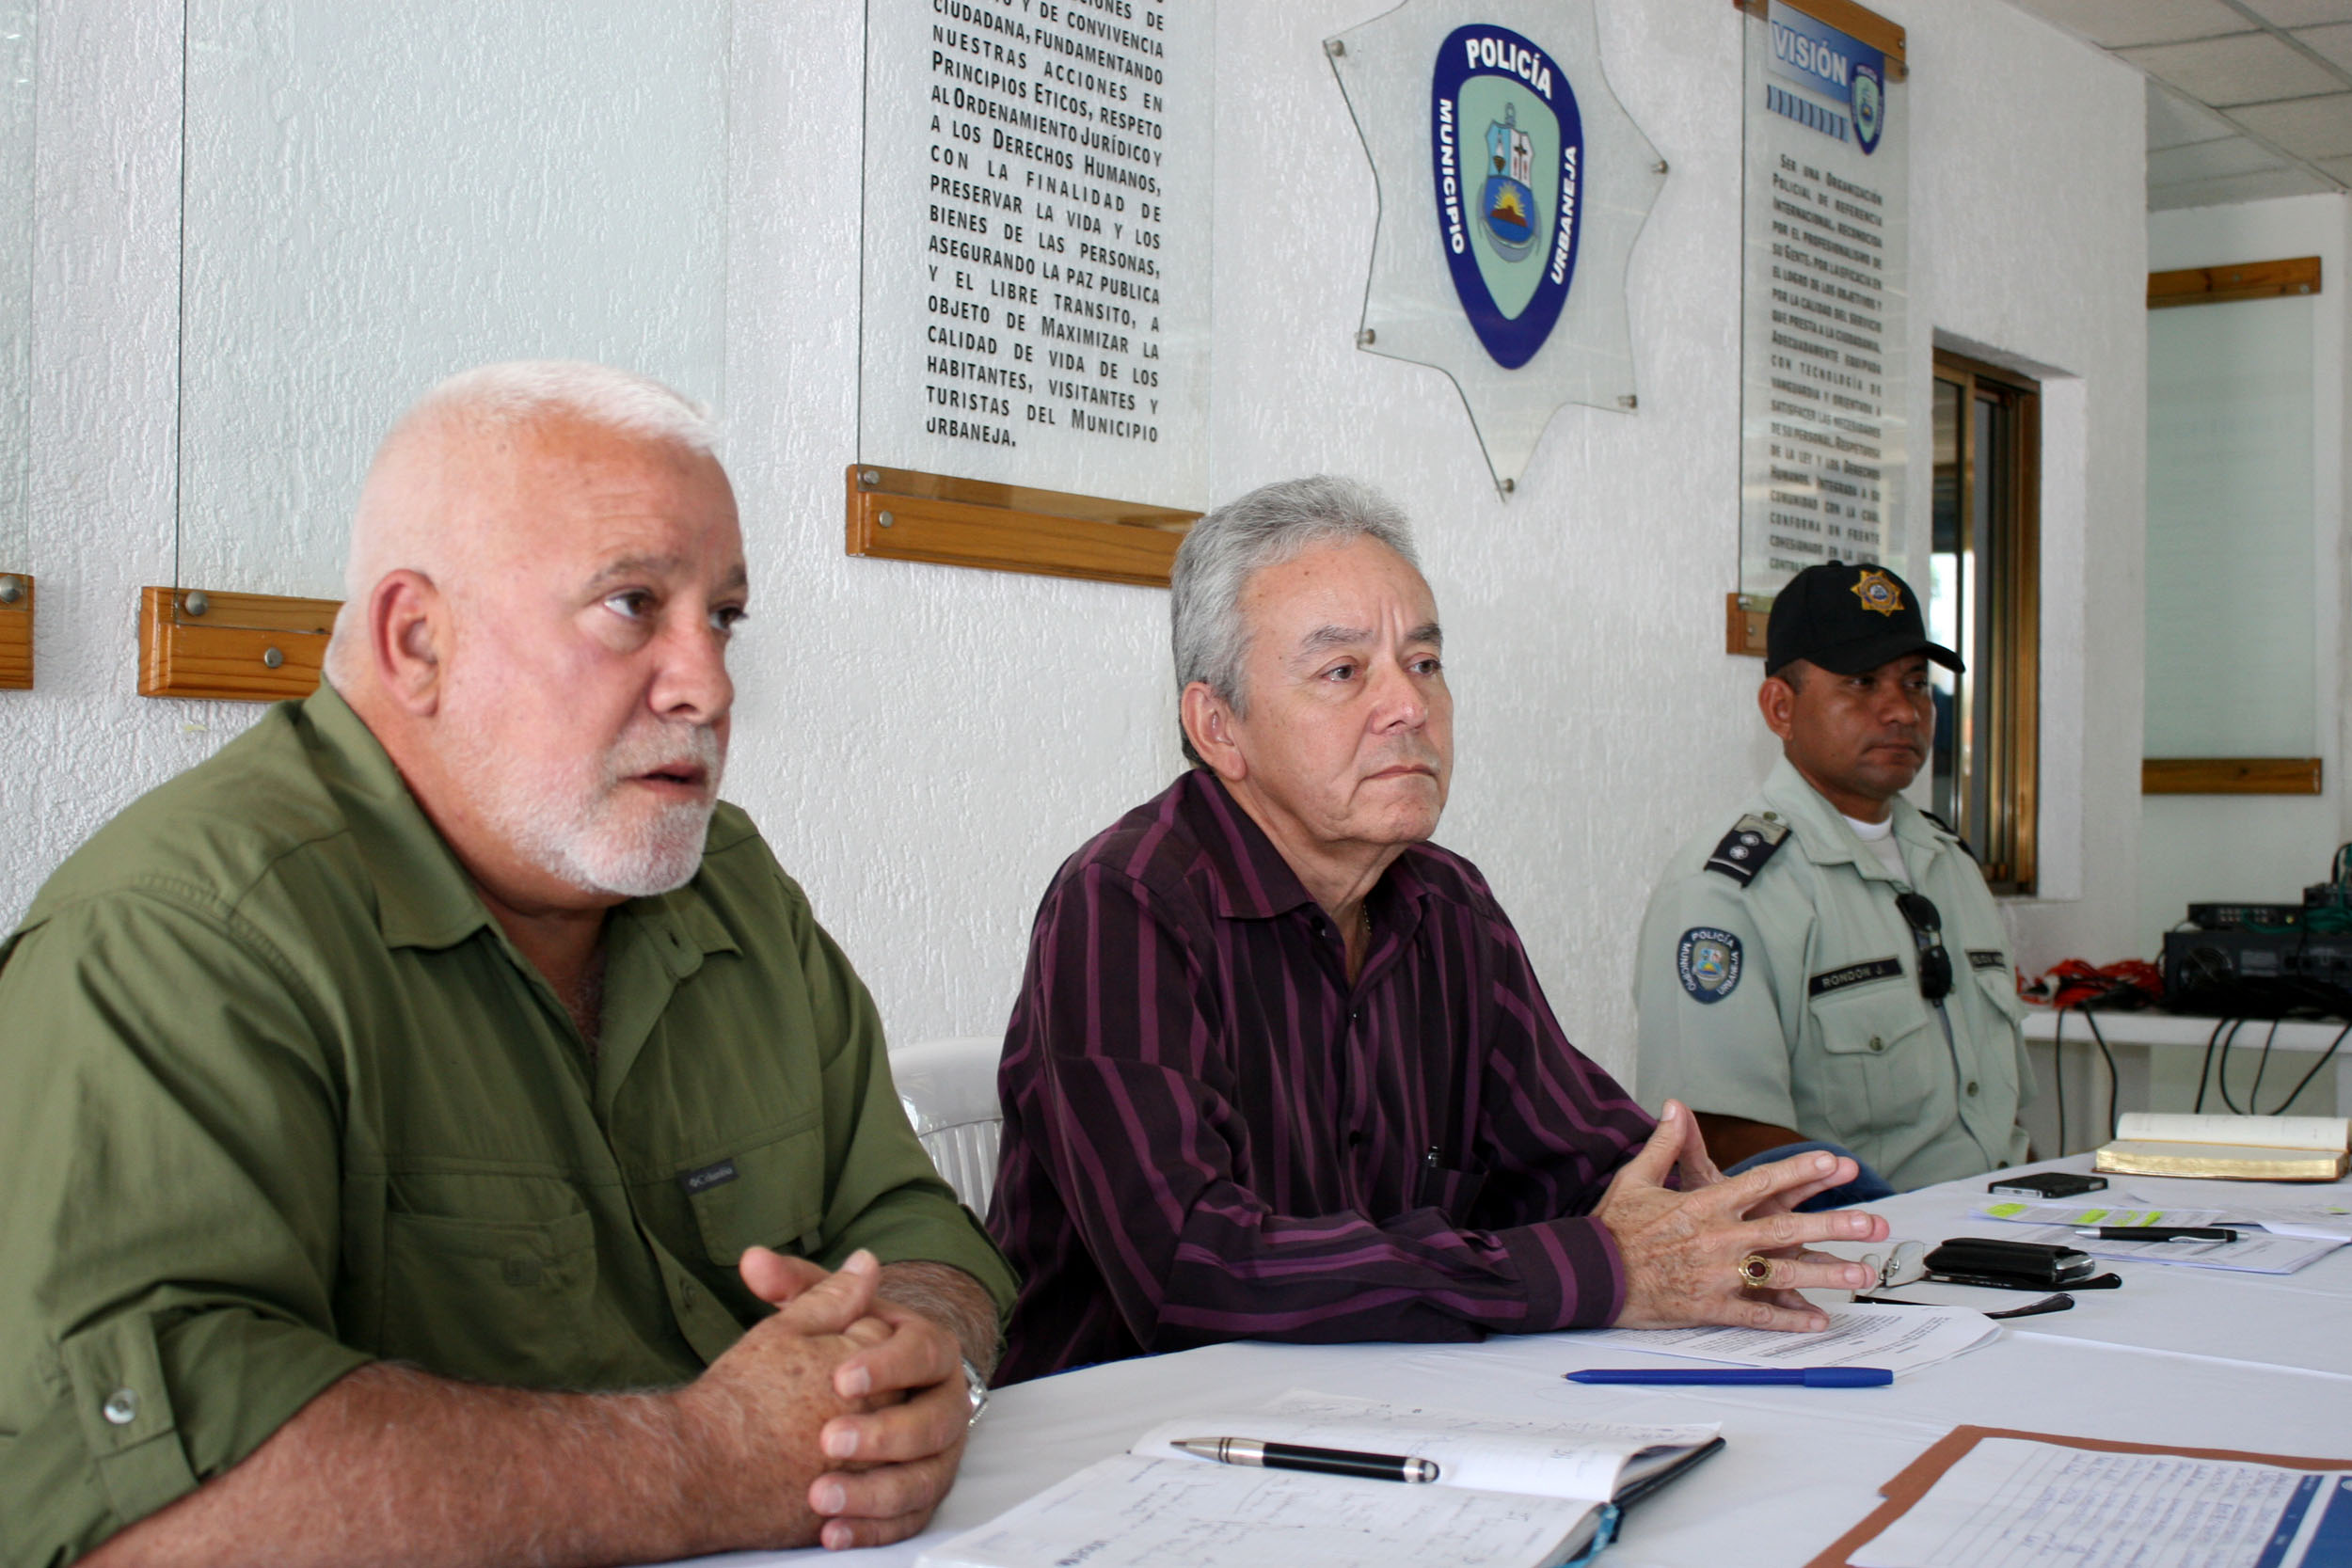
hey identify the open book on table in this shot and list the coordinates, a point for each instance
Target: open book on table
(1508, 1495)
(2245, 1148)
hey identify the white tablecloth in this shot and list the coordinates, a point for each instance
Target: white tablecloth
(2177, 1356)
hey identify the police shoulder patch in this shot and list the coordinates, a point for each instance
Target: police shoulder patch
(1753, 840)
(1707, 962)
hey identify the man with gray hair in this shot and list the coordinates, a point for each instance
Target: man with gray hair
(438, 1130)
(1280, 1068)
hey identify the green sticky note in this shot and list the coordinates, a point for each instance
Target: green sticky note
(2004, 1210)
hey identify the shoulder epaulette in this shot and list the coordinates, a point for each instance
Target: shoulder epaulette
(1752, 841)
(1964, 848)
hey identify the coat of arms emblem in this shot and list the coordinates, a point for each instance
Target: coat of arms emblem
(1507, 205)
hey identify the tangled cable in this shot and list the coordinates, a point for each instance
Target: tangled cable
(2070, 985)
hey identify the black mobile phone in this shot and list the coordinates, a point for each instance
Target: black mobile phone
(2032, 1264)
(2048, 1183)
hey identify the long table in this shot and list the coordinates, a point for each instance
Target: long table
(2177, 1356)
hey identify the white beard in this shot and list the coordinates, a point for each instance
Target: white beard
(574, 826)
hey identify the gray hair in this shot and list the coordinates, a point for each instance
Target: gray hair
(483, 404)
(1271, 525)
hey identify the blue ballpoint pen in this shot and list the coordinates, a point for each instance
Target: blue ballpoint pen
(1806, 1377)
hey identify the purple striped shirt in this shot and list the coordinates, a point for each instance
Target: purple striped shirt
(1211, 1135)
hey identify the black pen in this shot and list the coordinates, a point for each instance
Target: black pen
(1293, 1456)
(2157, 1232)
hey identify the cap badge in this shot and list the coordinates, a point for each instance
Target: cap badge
(1879, 592)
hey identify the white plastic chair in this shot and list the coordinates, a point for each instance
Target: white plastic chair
(948, 1089)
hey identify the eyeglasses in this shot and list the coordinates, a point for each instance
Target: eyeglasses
(1926, 933)
(1907, 1264)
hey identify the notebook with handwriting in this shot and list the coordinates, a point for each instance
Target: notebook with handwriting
(1509, 1494)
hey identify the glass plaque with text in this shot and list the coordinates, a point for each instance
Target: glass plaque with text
(378, 197)
(16, 280)
(1824, 395)
(1037, 245)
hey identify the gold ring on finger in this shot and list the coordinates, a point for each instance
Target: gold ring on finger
(1756, 1269)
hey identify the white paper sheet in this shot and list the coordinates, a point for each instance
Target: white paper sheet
(2311, 1198)
(1134, 1511)
(1900, 1339)
(2020, 1212)
(2319, 1222)
(2010, 1503)
(2250, 1254)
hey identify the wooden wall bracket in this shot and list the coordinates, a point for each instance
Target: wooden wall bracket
(2296, 274)
(237, 647)
(2230, 776)
(900, 515)
(1746, 616)
(16, 631)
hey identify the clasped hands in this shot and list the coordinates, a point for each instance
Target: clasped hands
(851, 1401)
(1682, 1251)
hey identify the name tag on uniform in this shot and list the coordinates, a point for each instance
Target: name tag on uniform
(1987, 957)
(1852, 974)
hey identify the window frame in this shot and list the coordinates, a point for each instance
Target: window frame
(2006, 656)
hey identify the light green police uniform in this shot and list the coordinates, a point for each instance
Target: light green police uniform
(280, 1099)
(1779, 982)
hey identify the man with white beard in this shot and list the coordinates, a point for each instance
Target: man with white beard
(437, 1129)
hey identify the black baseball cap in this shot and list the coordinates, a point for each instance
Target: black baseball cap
(1847, 618)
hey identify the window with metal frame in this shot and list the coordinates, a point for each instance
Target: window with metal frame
(1984, 600)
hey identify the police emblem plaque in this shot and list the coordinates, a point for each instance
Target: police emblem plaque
(1512, 252)
(1513, 186)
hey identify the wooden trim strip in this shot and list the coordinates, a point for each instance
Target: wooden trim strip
(1745, 617)
(1861, 25)
(897, 514)
(225, 652)
(2230, 776)
(16, 638)
(2296, 274)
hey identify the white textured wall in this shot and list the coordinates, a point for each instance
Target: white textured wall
(924, 744)
(2266, 849)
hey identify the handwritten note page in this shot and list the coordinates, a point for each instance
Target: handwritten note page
(2009, 1503)
(1900, 1339)
(1134, 1511)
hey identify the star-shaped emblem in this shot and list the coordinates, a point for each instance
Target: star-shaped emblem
(1879, 592)
(1513, 185)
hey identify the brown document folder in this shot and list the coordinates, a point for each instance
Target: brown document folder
(1923, 1472)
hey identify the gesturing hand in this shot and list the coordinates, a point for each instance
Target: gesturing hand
(1682, 1251)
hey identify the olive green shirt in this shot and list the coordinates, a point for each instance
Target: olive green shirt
(1795, 999)
(280, 1099)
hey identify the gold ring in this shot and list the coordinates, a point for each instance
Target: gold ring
(1756, 1269)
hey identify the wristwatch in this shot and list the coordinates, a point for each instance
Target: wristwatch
(977, 1387)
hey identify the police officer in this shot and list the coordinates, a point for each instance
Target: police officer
(1833, 969)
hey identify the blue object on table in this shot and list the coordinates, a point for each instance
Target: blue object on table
(1867, 1186)
(1808, 1377)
